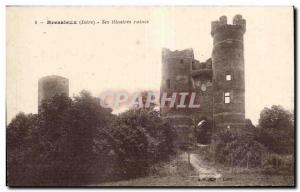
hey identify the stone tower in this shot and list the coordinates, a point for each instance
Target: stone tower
(176, 78)
(228, 73)
(219, 84)
(50, 86)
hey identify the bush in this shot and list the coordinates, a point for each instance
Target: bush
(276, 130)
(234, 150)
(75, 141)
(143, 138)
(273, 163)
(248, 146)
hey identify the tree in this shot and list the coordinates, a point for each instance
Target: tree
(74, 141)
(57, 146)
(143, 139)
(235, 148)
(19, 130)
(20, 140)
(85, 118)
(240, 147)
(276, 128)
(276, 117)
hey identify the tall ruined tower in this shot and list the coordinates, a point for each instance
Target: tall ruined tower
(176, 78)
(228, 73)
(50, 86)
(219, 84)
(182, 73)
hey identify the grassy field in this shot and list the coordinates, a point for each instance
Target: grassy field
(179, 173)
(228, 180)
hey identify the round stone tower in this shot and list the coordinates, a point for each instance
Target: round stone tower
(50, 86)
(228, 73)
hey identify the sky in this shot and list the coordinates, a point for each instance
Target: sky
(128, 56)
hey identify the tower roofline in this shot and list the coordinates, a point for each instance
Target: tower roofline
(238, 23)
(50, 77)
(185, 53)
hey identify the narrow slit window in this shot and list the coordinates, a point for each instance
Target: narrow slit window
(227, 97)
(228, 77)
(168, 83)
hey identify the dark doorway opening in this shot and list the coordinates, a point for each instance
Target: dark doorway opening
(203, 131)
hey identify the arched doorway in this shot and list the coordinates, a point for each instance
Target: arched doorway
(203, 131)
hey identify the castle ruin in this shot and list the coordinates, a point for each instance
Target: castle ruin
(50, 86)
(219, 82)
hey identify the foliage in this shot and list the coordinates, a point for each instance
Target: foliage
(264, 146)
(74, 141)
(20, 140)
(276, 130)
(234, 149)
(143, 139)
(275, 117)
(278, 164)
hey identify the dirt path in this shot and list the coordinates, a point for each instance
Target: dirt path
(204, 171)
(204, 175)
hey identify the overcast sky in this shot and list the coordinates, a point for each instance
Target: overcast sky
(101, 57)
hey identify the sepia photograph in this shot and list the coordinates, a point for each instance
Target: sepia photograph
(150, 96)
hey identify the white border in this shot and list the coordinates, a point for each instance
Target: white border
(105, 2)
(149, 2)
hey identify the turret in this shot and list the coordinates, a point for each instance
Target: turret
(176, 69)
(176, 78)
(50, 86)
(228, 73)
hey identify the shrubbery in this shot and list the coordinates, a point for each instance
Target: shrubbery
(233, 149)
(76, 141)
(278, 164)
(269, 146)
(276, 130)
(142, 139)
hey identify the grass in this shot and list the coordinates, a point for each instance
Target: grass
(233, 179)
(179, 173)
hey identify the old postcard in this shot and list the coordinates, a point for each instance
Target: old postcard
(150, 96)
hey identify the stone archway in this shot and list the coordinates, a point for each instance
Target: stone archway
(203, 131)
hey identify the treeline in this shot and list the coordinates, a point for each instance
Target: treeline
(269, 146)
(75, 141)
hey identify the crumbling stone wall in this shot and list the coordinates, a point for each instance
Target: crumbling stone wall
(49, 86)
(220, 76)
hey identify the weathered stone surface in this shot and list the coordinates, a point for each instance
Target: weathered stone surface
(50, 86)
(181, 72)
